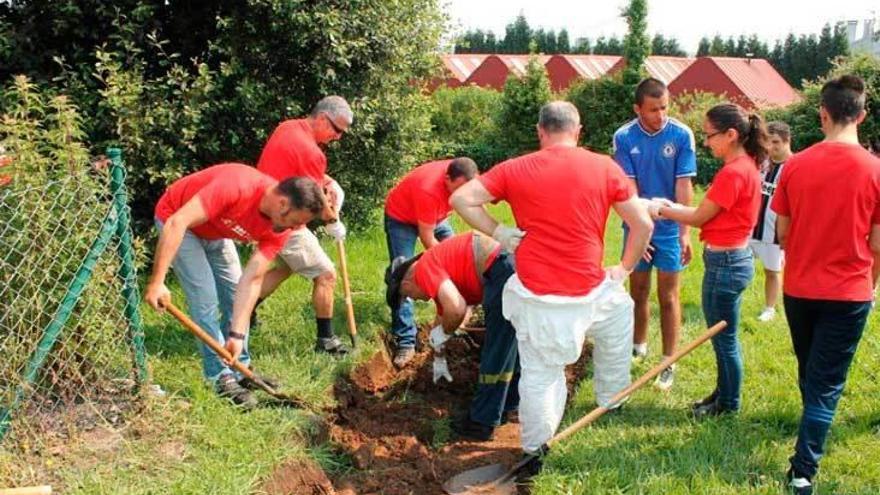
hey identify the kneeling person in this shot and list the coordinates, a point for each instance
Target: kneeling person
(464, 270)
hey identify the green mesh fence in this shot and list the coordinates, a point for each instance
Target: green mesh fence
(71, 342)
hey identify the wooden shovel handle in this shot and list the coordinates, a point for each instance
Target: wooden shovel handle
(27, 490)
(346, 285)
(656, 370)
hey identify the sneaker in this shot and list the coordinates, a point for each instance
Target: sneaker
(229, 388)
(767, 315)
(403, 356)
(252, 385)
(531, 468)
(331, 345)
(467, 429)
(665, 378)
(706, 401)
(640, 354)
(797, 484)
(710, 410)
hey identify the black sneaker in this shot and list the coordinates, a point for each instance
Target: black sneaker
(797, 484)
(467, 429)
(705, 401)
(252, 385)
(710, 410)
(331, 345)
(229, 388)
(532, 467)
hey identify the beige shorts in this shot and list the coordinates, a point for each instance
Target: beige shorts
(303, 254)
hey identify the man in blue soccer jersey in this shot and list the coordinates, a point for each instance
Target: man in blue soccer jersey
(658, 154)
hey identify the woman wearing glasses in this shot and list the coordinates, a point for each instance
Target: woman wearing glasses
(726, 218)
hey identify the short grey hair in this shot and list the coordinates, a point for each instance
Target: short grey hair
(335, 107)
(559, 116)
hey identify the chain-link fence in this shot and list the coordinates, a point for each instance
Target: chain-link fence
(71, 343)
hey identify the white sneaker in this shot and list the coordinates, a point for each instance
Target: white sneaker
(639, 354)
(767, 315)
(665, 378)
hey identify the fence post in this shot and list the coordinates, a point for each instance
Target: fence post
(53, 329)
(127, 270)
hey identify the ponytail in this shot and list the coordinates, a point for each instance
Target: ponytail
(756, 139)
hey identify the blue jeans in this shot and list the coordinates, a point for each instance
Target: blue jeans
(401, 238)
(208, 272)
(497, 389)
(825, 335)
(727, 274)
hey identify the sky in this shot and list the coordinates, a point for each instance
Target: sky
(686, 20)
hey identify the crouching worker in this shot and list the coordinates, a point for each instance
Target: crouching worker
(561, 197)
(198, 217)
(464, 270)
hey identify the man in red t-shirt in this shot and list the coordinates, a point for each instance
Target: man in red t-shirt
(294, 149)
(416, 208)
(461, 271)
(561, 197)
(828, 206)
(198, 217)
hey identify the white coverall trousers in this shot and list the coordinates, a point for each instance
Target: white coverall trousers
(550, 332)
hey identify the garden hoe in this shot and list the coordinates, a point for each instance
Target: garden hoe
(495, 479)
(346, 285)
(224, 354)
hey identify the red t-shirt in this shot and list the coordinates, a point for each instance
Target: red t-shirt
(292, 151)
(831, 193)
(736, 188)
(452, 259)
(560, 196)
(230, 194)
(421, 196)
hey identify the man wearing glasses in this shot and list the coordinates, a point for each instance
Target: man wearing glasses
(294, 149)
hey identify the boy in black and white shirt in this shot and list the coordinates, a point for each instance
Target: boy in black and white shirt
(764, 242)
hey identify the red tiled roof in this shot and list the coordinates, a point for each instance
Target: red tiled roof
(517, 63)
(463, 64)
(589, 66)
(758, 81)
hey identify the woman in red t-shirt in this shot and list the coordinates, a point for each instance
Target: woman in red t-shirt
(726, 218)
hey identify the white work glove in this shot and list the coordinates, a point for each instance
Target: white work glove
(438, 337)
(617, 273)
(656, 204)
(338, 193)
(441, 369)
(336, 230)
(508, 237)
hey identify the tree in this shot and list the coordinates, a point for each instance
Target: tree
(583, 45)
(520, 103)
(636, 45)
(517, 36)
(741, 48)
(717, 49)
(562, 43)
(704, 47)
(729, 47)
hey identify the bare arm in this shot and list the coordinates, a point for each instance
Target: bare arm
(173, 230)
(636, 216)
(426, 235)
(246, 293)
(695, 217)
(454, 306)
(468, 201)
(783, 225)
(874, 242)
(684, 195)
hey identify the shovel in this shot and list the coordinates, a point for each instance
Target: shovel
(224, 354)
(495, 479)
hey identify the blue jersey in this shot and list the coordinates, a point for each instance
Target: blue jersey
(655, 161)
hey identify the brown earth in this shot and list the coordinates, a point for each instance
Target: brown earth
(299, 477)
(394, 424)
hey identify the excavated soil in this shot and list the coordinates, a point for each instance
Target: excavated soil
(393, 425)
(299, 478)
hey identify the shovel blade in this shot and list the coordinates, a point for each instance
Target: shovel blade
(481, 481)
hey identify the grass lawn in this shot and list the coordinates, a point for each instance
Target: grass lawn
(192, 442)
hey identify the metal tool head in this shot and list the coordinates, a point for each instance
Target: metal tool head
(486, 480)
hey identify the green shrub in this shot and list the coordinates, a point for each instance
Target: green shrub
(691, 109)
(520, 104)
(604, 104)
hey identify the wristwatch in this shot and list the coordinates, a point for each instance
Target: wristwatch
(237, 336)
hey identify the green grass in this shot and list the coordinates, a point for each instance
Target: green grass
(192, 442)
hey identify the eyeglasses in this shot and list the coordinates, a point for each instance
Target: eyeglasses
(334, 126)
(710, 136)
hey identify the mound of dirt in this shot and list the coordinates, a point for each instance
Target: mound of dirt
(299, 478)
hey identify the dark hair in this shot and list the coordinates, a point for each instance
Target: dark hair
(303, 193)
(394, 275)
(650, 87)
(462, 167)
(781, 129)
(844, 98)
(752, 133)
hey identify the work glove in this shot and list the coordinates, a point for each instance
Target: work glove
(656, 204)
(508, 237)
(617, 273)
(336, 230)
(441, 369)
(438, 337)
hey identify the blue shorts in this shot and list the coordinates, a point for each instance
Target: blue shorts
(666, 256)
